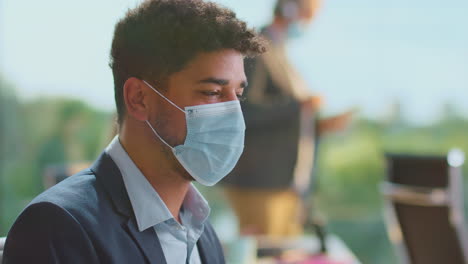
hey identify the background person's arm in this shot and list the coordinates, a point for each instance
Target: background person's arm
(335, 123)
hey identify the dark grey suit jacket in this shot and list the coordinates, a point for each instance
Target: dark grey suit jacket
(88, 218)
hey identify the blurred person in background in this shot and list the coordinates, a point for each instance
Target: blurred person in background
(178, 69)
(266, 186)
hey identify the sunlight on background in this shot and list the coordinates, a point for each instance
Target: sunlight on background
(411, 52)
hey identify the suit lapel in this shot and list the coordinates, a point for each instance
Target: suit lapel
(148, 242)
(204, 249)
(108, 174)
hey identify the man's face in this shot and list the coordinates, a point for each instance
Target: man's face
(209, 78)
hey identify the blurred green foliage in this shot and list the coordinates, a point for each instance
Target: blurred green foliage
(351, 165)
(46, 131)
(38, 133)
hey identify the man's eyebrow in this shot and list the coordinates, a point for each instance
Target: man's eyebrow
(214, 81)
(221, 82)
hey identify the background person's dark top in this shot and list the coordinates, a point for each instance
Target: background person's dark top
(88, 218)
(271, 137)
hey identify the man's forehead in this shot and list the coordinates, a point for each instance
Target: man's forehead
(217, 62)
(221, 68)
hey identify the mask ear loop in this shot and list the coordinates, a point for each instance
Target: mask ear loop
(156, 133)
(169, 101)
(160, 94)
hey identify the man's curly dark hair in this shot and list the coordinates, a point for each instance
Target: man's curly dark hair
(159, 38)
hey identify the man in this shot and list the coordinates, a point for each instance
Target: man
(178, 73)
(274, 171)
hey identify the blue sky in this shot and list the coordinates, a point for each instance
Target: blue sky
(365, 53)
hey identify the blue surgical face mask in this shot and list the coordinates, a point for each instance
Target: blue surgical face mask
(214, 141)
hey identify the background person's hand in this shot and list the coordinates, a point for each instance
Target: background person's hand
(337, 123)
(312, 103)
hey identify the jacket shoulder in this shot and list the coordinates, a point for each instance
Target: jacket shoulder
(79, 195)
(46, 233)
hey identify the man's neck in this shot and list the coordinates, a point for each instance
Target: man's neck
(171, 192)
(166, 180)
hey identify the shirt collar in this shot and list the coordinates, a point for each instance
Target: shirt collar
(195, 207)
(148, 207)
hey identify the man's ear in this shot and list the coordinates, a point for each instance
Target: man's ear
(134, 92)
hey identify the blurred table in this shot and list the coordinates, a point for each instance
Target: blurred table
(303, 250)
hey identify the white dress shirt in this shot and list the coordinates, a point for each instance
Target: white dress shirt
(178, 241)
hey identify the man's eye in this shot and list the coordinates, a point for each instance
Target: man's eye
(210, 93)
